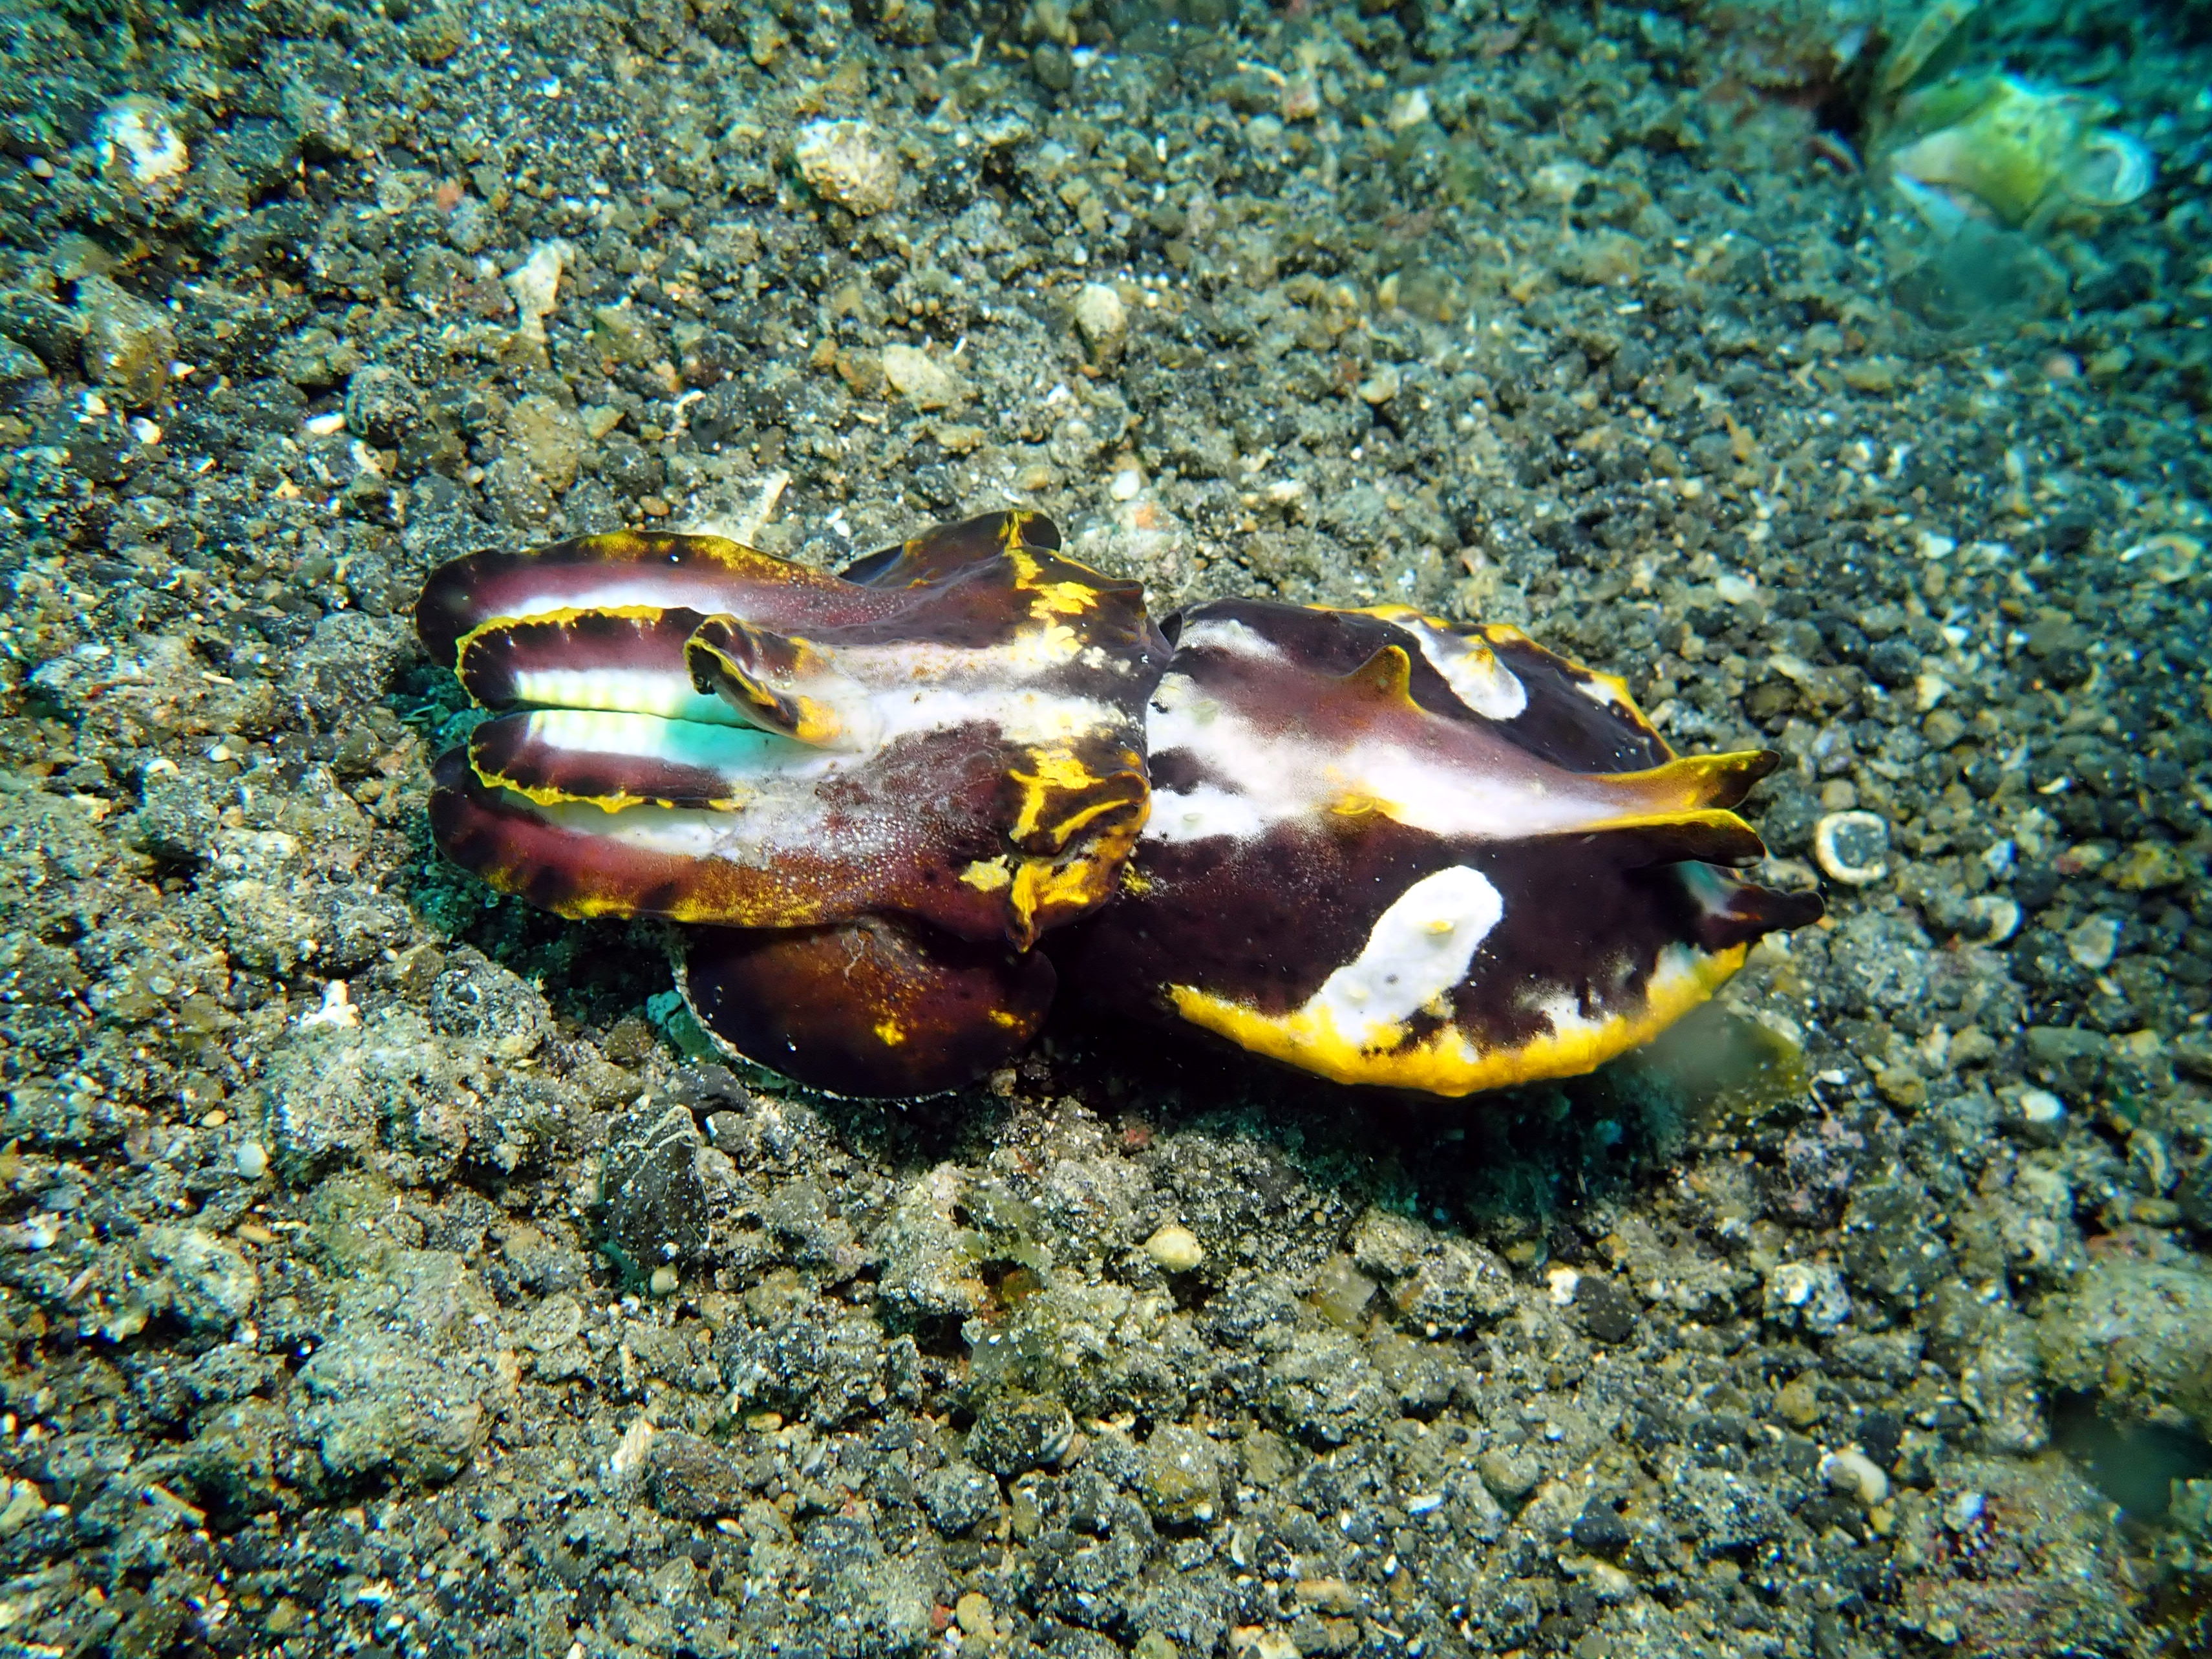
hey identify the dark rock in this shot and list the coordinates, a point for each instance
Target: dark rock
(957, 1497)
(694, 1480)
(345, 667)
(655, 1197)
(1890, 1247)
(48, 328)
(1608, 1312)
(2194, 1197)
(1016, 1433)
(1600, 1529)
(382, 406)
(823, 1361)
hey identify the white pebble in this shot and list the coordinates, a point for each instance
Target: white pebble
(251, 1158)
(1176, 1249)
(140, 149)
(920, 378)
(1102, 317)
(2038, 1114)
(849, 163)
(1963, 1511)
(1855, 1474)
(536, 285)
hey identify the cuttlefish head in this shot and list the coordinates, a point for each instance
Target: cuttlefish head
(888, 783)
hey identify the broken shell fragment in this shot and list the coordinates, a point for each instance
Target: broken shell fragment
(2111, 171)
(1994, 146)
(1992, 919)
(1852, 847)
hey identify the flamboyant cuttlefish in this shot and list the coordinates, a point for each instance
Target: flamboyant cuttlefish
(893, 811)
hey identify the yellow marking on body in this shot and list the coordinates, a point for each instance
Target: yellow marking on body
(628, 546)
(1058, 770)
(1066, 830)
(1357, 806)
(1623, 699)
(988, 875)
(890, 1032)
(1135, 882)
(1006, 1018)
(816, 722)
(1445, 1062)
(1047, 645)
(620, 801)
(564, 618)
(1689, 781)
(1063, 599)
(1040, 885)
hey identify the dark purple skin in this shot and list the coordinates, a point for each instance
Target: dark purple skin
(896, 978)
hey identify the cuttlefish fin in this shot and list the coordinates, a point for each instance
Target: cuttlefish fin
(780, 685)
(876, 1007)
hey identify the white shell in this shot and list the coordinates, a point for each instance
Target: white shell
(1994, 917)
(2112, 170)
(1853, 848)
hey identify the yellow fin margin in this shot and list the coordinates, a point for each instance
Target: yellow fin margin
(1446, 1063)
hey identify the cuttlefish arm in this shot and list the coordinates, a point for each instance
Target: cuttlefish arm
(922, 767)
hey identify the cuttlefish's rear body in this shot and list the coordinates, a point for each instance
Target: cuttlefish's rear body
(896, 811)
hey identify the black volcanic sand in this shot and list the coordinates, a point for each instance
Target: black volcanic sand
(384, 1270)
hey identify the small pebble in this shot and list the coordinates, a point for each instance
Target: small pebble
(1102, 317)
(1852, 847)
(1798, 1402)
(919, 378)
(1176, 1249)
(1855, 1474)
(251, 1158)
(848, 162)
(2038, 1114)
(140, 149)
(1407, 109)
(1380, 387)
(2095, 943)
(1972, 1046)
(664, 1281)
